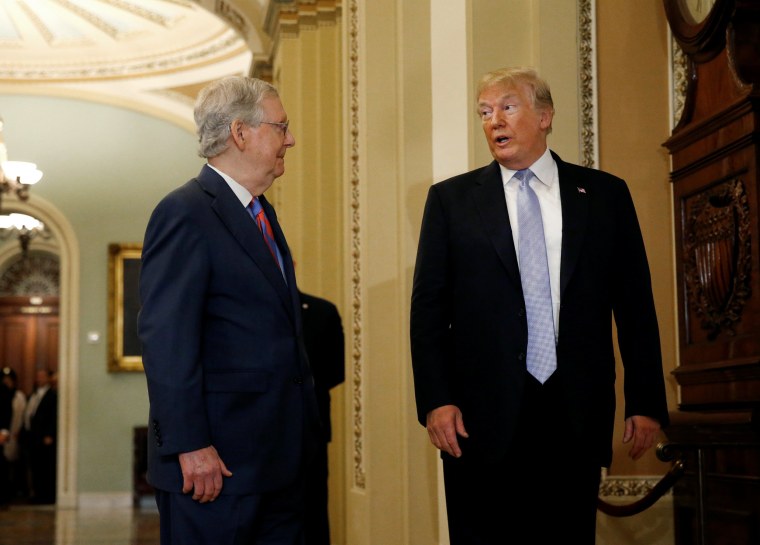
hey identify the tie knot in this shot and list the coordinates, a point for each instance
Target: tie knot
(523, 175)
(255, 206)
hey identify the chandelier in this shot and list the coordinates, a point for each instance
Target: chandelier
(17, 177)
(24, 227)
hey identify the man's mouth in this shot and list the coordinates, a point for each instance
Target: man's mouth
(502, 139)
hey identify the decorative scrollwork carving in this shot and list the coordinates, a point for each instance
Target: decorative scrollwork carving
(37, 273)
(717, 255)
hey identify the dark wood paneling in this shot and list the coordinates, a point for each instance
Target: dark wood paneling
(715, 150)
(29, 337)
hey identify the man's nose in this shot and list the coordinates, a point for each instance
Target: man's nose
(498, 118)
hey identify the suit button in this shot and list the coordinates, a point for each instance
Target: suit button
(298, 380)
(521, 356)
(159, 443)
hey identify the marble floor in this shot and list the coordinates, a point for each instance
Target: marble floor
(46, 525)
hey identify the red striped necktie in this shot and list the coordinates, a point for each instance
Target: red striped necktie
(257, 212)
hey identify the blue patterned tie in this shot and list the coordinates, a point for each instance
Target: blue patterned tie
(534, 273)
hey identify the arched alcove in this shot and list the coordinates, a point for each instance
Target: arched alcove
(63, 243)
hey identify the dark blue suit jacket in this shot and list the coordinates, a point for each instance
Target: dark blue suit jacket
(468, 326)
(222, 342)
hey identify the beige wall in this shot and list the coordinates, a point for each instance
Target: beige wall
(633, 124)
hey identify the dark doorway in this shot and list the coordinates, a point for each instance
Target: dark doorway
(29, 331)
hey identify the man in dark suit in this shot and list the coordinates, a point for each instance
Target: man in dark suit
(233, 415)
(503, 432)
(324, 340)
(6, 412)
(42, 437)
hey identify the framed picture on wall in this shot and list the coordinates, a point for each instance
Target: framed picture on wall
(124, 352)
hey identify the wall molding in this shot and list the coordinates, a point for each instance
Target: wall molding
(589, 133)
(357, 355)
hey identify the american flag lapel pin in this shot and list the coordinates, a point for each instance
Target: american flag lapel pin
(582, 190)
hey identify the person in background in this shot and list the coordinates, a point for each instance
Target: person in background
(521, 266)
(41, 423)
(233, 418)
(6, 404)
(324, 340)
(11, 448)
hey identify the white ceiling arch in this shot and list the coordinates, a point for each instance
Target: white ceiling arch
(150, 55)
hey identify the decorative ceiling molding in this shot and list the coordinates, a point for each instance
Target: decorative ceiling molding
(286, 18)
(223, 46)
(129, 53)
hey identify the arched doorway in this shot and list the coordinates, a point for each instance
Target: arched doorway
(29, 333)
(52, 265)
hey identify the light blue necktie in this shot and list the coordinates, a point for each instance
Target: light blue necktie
(534, 273)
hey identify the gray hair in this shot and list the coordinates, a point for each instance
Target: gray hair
(514, 76)
(223, 101)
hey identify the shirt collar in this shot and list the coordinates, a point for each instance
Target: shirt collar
(240, 192)
(542, 169)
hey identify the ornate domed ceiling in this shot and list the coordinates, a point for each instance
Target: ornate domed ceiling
(148, 54)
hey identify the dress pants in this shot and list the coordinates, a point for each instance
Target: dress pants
(271, 518)
(545, 488)
(317, 528)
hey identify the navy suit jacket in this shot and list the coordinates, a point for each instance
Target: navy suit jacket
(324, 341)
(222, 342)
(468, 325)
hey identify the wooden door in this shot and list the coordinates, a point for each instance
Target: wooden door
(28, 337)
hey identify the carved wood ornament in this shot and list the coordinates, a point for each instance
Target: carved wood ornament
(717, 253)
(714, 150)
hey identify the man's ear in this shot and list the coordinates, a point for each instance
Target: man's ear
(545, 118)
(237, 128)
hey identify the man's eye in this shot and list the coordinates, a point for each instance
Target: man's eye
(486, 114)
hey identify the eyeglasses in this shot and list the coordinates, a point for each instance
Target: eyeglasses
(283, 126)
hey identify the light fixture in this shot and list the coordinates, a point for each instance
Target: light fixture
(15, 176)
(24, 227)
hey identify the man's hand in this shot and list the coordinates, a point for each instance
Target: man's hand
(443, 426)
(202, 471)
(644, 431)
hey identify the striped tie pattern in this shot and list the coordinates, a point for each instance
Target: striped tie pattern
(534, 274)
(257, 212)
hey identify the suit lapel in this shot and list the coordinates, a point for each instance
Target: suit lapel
(574, 196)
(492, 206)
(242, 227)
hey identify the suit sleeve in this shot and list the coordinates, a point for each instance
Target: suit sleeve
(636, 320)
(430, 316)
(173, 278)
